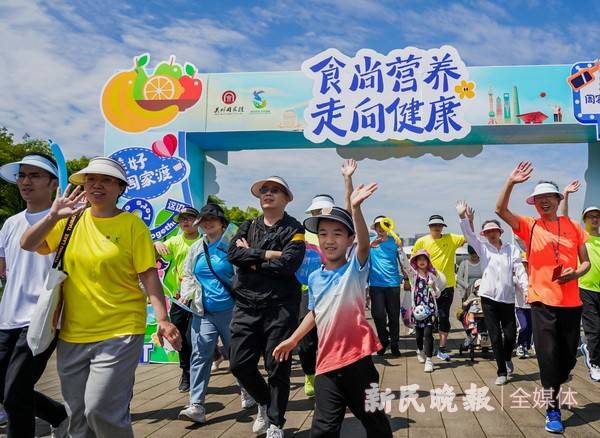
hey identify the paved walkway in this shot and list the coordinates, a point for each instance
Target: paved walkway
(156, 401)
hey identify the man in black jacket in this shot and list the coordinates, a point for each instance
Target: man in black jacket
(267, 251)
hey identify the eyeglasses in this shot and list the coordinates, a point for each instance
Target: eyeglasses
(33, 177)
(265, 190)
(186, 219)
(592, 216)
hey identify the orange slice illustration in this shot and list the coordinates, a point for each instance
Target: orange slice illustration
(159, 88)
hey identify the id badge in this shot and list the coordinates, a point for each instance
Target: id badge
(557, 272)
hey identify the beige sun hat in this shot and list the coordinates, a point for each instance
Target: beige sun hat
(100, 166)
(255, 189)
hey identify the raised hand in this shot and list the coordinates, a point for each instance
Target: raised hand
(572, 187)
(69, 204)
(461, 208)
(521, 173)
(361, 193)
(470, 213)
(348, 168)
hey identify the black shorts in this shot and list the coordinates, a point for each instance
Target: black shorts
(444, 302)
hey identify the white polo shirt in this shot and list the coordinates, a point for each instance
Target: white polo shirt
(498, 266)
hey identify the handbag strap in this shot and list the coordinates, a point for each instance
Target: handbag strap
(64, 240)
(209, 263)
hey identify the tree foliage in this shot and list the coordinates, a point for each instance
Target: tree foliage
(235, 214)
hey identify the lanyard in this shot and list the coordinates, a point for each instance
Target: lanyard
(555, 247)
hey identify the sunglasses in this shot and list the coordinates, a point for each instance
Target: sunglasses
(265, 190)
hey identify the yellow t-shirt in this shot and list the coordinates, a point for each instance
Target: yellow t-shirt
(102, 296)
(442, 253)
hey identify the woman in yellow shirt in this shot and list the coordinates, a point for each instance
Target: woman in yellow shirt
(104, 314)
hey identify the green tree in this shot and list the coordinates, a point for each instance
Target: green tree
(235, 214)
(11, 151)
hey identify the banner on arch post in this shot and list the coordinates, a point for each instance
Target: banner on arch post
(408, 94)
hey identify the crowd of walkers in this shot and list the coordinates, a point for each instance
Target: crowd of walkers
(244, 301)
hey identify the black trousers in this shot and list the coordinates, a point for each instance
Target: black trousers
(444, 302)
(307, 347)
(501, 324)
(424, 337)
(256, 332)
(19, 372)
(345, 388)
(556, 338)
(182, 320)
(385, 310)
(590, 318)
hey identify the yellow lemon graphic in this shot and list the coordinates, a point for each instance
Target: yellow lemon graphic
(122, 111)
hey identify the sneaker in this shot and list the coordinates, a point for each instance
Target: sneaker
(428, 365)
(521, 352)
(595, 372)
(421, 356)
(396, 352)
(501, 380)
(262, 421)
(510, 368)
(217, 363)
(442, 355)
(184, 382)
(553, 422)
(525, 353)
(60, 431)
(194, 412)
(309, 385)
(3, 416)
(247, 400)
(274, 432)
(586, 355)
(411, 331)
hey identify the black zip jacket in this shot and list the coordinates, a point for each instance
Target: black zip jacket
(261, 283)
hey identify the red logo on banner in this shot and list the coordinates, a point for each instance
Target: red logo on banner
(228, 97)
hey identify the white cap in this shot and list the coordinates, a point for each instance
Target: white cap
(320, 202)
(100, 166)
(255, 189)
(9, 171)
(544, 188)
(587, 210)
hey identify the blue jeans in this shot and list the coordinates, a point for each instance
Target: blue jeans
(205, 332)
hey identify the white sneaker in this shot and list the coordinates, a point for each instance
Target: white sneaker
(421, 356)
(510, 368)
(274, 432)
(195, 412)
(595, 372)
(262, 421)
(520, 352)
(442, 355)
(501, 380)
(247, 400)
(60, 431)
(411, 331)
(428, 365)
(3, 416)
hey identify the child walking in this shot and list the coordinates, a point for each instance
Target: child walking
(427, 284)
(345, 369)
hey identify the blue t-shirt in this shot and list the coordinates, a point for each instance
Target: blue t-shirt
(215, 297)
(384, 264)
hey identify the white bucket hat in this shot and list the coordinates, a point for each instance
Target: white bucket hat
(491, 226)
(9, 171)
(320, 202)
(543, 188)
(587, 210)
(255, 189)
(100, 166)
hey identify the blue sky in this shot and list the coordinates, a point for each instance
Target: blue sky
(55, 57)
